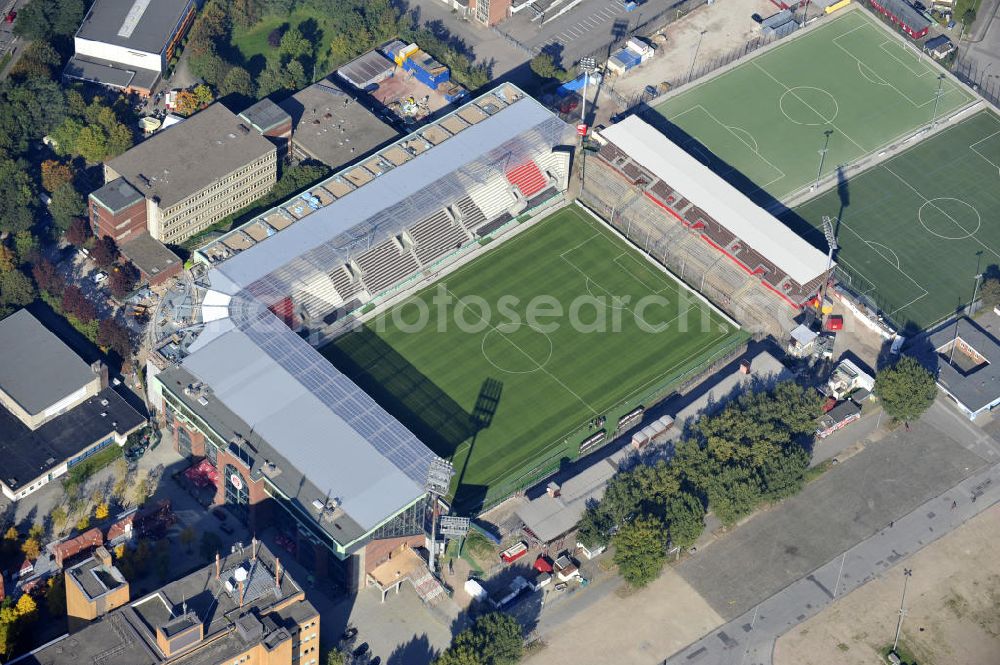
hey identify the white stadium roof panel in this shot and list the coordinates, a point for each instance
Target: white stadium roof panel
(720, 200)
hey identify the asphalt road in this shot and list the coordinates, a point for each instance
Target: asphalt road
(748, 639)
(982, 49)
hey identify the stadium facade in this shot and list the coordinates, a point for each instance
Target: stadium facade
(294, 444)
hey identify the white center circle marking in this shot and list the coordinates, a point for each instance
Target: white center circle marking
(935, 208)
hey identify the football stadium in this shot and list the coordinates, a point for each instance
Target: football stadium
(508, 398)
(848, 86)
(298, 371)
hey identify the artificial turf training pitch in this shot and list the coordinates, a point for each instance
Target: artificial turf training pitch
(508, 399)
(765, 120)
(916, 229)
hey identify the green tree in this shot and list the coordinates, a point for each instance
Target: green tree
(16, 289)
(209, 545)
(66, 205)
(188, 536)
(906, 389)
(92, 144)
(55, 596)
(640, 550)
(237, 82)
(544, 66)
(44, 19)
(685, 518)
(990, 292)
(334, 657)
(25, 246)
(294, 45)
(17, 198)
(494, 639)
(59, 516)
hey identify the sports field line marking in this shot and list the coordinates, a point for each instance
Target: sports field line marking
(988, 160)
(933, 205)
(528, 356)
(895, 256)
(818, 114)
(562, 439)
(636, 277)
(889, 53)
(590, 280)
(944, 91)
(754, 149)
(900, 270)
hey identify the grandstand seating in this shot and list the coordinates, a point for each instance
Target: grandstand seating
(436, 236)
(344, 284)
(385, 264)
(707, 229)
(470, 213)
(682, 237)
(528, 178)
(493, 197)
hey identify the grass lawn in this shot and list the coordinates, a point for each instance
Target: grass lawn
(915, 230)
(252, 42)
(508, 396)
(850, 82)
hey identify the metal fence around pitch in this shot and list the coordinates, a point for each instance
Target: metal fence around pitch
(978, 78)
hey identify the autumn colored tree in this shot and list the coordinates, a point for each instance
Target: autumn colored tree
(76, 304)
(101, 511)
(78, 232)
(31, 548)
(186, 102)
(55, 174)
(112, 335)
(105, 251)
(122, 279)
(47, 277)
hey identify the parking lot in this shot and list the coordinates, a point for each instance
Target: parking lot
(847, 504)
(570, 29)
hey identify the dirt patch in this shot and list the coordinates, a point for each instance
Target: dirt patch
(639, 628)
(726, 26)
(953, 607)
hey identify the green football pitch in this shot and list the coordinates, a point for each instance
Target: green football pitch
(484, 368)
(916, 229)
(848, 86)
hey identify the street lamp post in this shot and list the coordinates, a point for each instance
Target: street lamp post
(937, 100)
(701, 36)
(822, 156)
(907, 574)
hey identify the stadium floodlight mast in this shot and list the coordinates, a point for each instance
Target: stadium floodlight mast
(438, 479)
(830, 232)
(587, 65)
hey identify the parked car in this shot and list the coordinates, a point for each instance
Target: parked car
(100, 277)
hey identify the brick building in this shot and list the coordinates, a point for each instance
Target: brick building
(244, 608)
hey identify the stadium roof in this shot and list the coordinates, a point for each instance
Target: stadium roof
(38, 369)
(310, 414)
(142, 25)
(175, 163)
(388, 189)
(720, 200)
